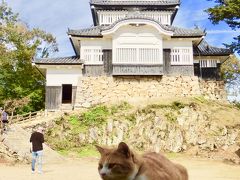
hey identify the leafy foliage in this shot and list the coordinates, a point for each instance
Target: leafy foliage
(229, 12)
(19, 80)
(237, 105)
(230, 72)
(230, 69)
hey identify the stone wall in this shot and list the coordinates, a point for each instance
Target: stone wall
(213, 89)
(102, 89)
(183, 70)
(193, 131)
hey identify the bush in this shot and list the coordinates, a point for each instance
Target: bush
(237, 104)
(95, 116)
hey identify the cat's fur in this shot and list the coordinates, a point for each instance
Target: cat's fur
(122, 164)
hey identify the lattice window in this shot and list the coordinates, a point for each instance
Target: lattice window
(109, 17)
(93, 56)
(137, 55)
(181, 56)
(208, 63)
(164, 18)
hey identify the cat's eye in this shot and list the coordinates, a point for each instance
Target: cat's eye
(100, 166)
(111, 165)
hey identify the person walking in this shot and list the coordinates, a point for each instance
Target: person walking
(37, 140)
(4, 119)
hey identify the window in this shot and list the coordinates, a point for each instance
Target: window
(208, 63)
(181, 56)
(93, 56)
(137, 55)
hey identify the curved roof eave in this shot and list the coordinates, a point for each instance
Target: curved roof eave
(137, 21)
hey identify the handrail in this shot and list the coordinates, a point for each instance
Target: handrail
(27, 116)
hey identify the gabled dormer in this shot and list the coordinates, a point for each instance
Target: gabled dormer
(106, 12)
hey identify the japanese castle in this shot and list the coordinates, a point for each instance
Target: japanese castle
(130, 38)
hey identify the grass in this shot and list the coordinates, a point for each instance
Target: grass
(95, 116)
(68, 144)
(172, 155)
(88, 151)
(80, 152)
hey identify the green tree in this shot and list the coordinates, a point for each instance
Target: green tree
(230, 69)
(19, 80)
(229, 12)
(230, 72)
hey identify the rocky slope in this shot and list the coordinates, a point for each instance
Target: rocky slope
(195, 126)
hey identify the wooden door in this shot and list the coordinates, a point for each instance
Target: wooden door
(107, 61)
(166, 60)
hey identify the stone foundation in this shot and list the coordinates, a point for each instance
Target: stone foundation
(102, 89)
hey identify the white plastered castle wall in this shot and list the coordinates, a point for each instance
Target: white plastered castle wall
(185, 46)
(58, 75)
(104, 43)
(137, 37)
(177, 43)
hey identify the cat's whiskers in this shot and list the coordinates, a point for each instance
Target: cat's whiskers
(134, 173)
(105, 170)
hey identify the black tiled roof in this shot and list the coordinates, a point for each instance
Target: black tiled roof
(204, 49)
(129, 2)
(183, 32)
(177, 32)
(92, 31)
(61, 60)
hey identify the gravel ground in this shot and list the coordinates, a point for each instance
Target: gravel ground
(86, 169)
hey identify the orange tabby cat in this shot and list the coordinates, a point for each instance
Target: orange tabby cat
(122, 164)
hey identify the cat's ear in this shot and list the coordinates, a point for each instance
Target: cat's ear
(124, 149)
(100, 149)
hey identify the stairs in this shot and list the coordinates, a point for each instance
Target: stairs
(17, 141)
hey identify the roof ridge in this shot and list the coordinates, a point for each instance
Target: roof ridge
(59, 60)
(205, 49)
(66, 57)
(144, 2)
(204, 41)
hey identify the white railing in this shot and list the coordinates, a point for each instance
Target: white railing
(136, 55)
(109, 17)
(145, 0)
(92, 56)
(181, 56)
(163, 17)
(208, 63)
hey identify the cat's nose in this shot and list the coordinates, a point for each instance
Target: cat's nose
(103, 174)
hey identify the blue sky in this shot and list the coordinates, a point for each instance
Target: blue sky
(56, 16)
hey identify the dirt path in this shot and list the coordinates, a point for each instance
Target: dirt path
(86, 169)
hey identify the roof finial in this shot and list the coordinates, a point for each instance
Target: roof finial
(196, 26)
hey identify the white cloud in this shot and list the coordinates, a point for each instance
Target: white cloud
(57, 15)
